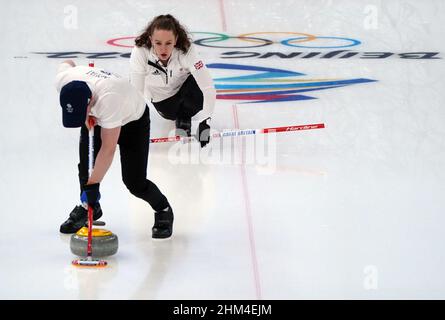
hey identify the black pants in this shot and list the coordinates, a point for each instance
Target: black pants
(184, 104)
(133, 143)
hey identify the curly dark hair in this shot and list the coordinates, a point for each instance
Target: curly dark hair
(169, 23)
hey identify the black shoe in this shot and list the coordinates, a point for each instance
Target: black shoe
(163, 227)
(78, 218)
(184, 127)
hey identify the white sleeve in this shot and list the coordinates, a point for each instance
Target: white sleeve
(204, 80)
(60, 74)
(138, 68)
(63, 67)
(205, 83)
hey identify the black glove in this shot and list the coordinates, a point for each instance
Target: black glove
(90, 194)
(203, 133)
(183, 127)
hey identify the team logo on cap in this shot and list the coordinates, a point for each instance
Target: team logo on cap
(69, 108)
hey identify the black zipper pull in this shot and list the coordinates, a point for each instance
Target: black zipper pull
(159, 67)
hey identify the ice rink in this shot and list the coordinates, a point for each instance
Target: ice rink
(349, 211)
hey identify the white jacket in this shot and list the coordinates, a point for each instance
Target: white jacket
(117, 101)
(157, 85)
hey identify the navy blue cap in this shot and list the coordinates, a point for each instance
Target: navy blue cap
(74, 98)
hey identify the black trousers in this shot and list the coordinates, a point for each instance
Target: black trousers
(133, 143)
(184, 104)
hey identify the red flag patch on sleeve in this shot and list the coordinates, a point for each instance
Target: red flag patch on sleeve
(198, 65)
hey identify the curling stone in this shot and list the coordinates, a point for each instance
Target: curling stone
(104, 243)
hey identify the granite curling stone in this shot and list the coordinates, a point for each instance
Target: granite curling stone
(104, 243)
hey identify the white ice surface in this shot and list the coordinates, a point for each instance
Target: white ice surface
(352, 211)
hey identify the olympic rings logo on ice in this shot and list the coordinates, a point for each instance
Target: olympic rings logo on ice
(297, 39)
(256, 40)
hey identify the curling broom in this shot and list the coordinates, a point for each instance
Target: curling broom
(89, 261)
(243, 132)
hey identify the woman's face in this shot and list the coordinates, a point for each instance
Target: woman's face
(163, 42)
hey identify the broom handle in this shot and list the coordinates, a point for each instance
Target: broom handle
(90, 170)
(243, 132)
(90, 210)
